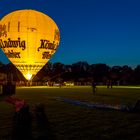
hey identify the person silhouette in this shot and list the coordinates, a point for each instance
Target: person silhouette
(22, 121)
(43, 125)
(94, 86)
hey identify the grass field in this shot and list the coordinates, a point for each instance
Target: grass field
(71, 122)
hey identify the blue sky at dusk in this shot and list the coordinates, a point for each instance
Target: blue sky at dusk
(96, 31)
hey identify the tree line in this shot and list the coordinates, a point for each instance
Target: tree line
(80, 72)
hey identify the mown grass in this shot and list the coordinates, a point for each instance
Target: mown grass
(70, 122)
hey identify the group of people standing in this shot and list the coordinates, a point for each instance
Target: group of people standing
(24, 120)
(94, 85)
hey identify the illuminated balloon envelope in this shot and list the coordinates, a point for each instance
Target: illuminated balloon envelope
(28, 38)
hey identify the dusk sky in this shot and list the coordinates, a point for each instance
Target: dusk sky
(96, 31)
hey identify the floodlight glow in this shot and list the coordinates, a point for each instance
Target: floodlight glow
(29, 39)
(28, 76)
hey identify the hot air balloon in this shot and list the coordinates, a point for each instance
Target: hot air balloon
(29, 38)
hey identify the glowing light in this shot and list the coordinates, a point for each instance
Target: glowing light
(29, 39)
(28, 76)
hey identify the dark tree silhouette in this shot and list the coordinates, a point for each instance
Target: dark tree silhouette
(100, 72)
(137, 74)
(79, 72)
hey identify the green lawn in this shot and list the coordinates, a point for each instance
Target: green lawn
(71, 122)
